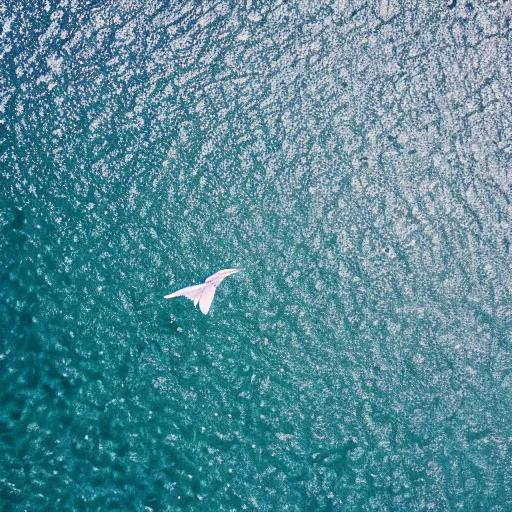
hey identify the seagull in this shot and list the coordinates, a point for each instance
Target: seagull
(204, 293)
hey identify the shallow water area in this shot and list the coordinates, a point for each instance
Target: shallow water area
(354, 158)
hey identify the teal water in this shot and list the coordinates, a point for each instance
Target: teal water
(355, 158)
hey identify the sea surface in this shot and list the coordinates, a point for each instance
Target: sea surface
(354, 157)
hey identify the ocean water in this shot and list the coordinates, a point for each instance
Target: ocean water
(355, 158)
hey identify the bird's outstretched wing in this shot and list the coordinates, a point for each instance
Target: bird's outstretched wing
(216, 278)
(207, 298)
(190, 292)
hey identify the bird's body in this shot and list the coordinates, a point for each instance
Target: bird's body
(204, 293)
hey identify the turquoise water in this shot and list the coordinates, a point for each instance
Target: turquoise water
(354, 158)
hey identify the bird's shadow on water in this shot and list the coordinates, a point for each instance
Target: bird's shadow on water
(179, 318)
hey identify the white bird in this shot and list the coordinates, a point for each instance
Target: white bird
(204, 293)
